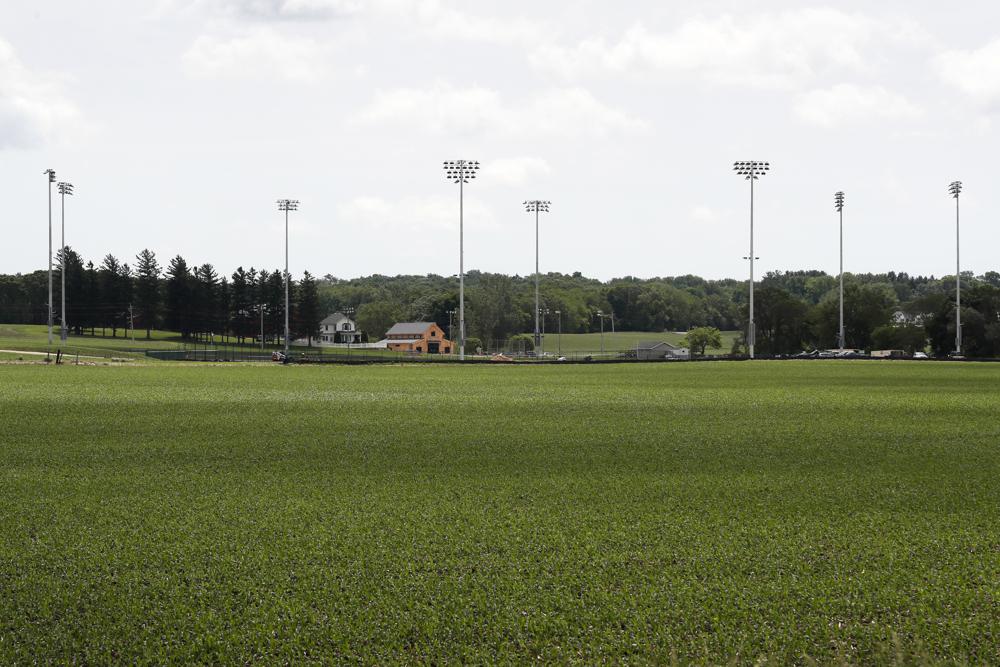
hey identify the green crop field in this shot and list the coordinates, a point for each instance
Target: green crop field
(833, 511)
(621, 341)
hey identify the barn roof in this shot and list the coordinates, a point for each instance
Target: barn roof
(409, 328)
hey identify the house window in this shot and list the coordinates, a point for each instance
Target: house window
(434, 333)
(419, 349)
(347, 326)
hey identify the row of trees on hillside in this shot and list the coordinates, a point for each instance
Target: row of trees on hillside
(193, 300)
(794, 310)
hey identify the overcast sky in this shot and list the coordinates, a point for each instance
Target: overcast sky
(181, 121)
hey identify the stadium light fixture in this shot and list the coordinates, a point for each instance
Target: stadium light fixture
(955, 189)
(461, 172)
(838, 202)
(537, 206)
(751, 170)
(64, 189)
(287, 205)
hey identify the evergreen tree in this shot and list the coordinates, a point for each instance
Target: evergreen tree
(178, 297)
(240, 305)
(307, 312)
(111, 293)
(205, 299)
(147, 290)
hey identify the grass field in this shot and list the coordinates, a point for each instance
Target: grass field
(34, 338)
(622, 340)
(179, 513)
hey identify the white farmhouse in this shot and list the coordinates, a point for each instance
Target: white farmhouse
(338, 328)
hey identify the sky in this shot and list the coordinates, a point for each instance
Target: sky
(181, 122)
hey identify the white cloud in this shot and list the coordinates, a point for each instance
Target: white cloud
(296, 10)
(414, 216)
(432, 17)
(515, 171)
(566, 112)
(848, 103)
(259, 52)
(443, 21)
(33, 108)
(769, 50)
(974, 72)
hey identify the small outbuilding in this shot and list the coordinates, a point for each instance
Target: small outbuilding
(649, 350)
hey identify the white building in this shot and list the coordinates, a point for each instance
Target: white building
(660, 350)
(338, 328)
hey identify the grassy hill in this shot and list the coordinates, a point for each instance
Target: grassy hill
(621, 341)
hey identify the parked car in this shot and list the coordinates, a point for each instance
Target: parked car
(920, 355)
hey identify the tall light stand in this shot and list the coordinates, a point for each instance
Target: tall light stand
(838, 200)
(451, 333)
(52, 179)
(956, 189)
(287, 205)
(543, 312)
(64, 189)
(751, 171)
(537, 206)
(559, 335)
(601, 316)
(461, 172)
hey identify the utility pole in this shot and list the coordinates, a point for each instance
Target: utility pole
(559, 335)
(601, 316)
(64, 189)
(544, 313)
(287, 205)
(956, 189)
(52, 179)
(451, 333)
(838, 200)
(461, 172)
(752, 170)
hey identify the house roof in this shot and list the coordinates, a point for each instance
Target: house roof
(409, 328)
(335, 317)
(653, 344)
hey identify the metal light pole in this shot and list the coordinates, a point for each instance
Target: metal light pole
(52, 179)
(64, 189)
(559, 335)
(261, 327)
(838, 201)
(461, 172)
(956, 189)
(751, 171)
(601, 316)
(537, 206)
(451, 333)
(543, 312)
(287, 205)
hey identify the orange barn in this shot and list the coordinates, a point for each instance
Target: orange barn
(420, 337)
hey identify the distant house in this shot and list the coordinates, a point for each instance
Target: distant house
(660, 350)
(420, 337)
(339, 328)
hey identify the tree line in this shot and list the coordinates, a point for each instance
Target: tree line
(794, 310)
(194, 301)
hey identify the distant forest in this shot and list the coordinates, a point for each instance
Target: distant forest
(794, 310)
